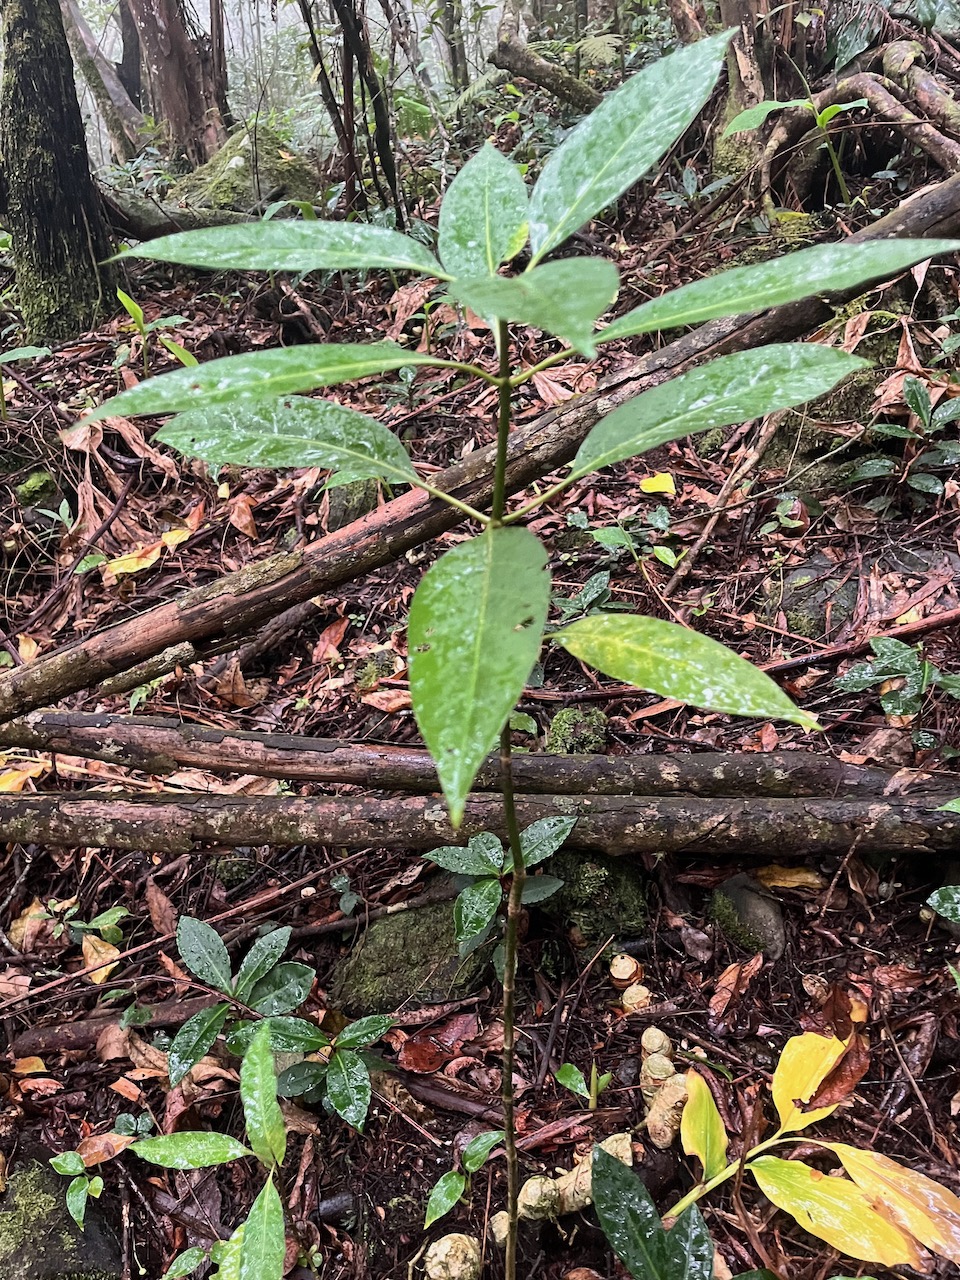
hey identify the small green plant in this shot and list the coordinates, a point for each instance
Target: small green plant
(483, 864)
(258, 1246)
(105, 923)
(450, 1187)
(338, 1075)
(478, 618)
(903, 673)
(572, 1078)
(144, 329)
(82, 1184)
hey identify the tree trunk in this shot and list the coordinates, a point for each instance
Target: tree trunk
(128, 68)
(49, 202)
(123, 121)
(184, 96)
(615, 825)
(450, 20)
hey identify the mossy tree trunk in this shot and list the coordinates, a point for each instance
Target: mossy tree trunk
(48, 200)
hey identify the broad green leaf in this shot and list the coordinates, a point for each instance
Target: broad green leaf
(446, 1192)
(538, 888)
(348, 1087)
(225, 1254)
(133, 309)
(297, 247)
(629, 1218)
(743, 290)
(730, 389)
(68, 1163)
(364, 1031)
(477, 1150)
(475, 907)
(190, 1150)
(202, 951)
(675, 662)
(572, 1078)
(258, 375)
(194, 1039)
(835, 108)
(701, 1128)
(544, 837)
(264, 1245)
(266, 1131)
(77, 1193)
(564, 298)
(835, 1210)
(294, 431)
(619, 141)
(805, 1063)
(300, 1078)
(754, 117)
(287, 1035)
(476, 623)
(283, 989)
(689, 1248)
(185, 1263)
(23, 353)
(483, 856)
(917, 1204)
(952, 806)
(260, 959)
(483, 215)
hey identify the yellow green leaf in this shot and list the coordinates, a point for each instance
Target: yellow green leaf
(914, 1202)
(805, 1063)
(701, 1128)
(661, 482)
(835, 1210)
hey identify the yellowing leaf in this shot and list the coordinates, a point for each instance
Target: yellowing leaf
(777, 877)
(28, 1066)
(835, 1210)
(805, 1063)
(914, 1202)
(26, 924)
(173, 537)
(661, 482)
(27, 648)
(96, 951)
(135, 561)
(14, 779)
(701, 1128)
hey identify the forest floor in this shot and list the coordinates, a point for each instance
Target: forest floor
(807, 559)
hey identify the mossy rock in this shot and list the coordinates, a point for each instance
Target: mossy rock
(40, 1241)
(349, 502)
(574, 731)
(253, 166)
(38, 490)
(749, 916)
(411, 956)
(810, 593)
(600, 896)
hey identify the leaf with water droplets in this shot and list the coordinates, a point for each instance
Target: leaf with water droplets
(483, 215)
(475, 629)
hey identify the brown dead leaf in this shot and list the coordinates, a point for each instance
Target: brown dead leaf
(13, 983)
(407, 301)
(95, 1148)
(776, 877)
(96, 951)
(899, 977)
(85, 437)
(845, 1076)
(138, 445)
(240, 515)
(733, 982)
(162, 915)
(327, 648)
(28, 1066)
(15, 779)
(128, 1089)
(26, 929)
(388, 701)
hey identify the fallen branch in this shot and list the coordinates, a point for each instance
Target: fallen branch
(240, 603)
(608, 824)
(513, 55)
(159, 746)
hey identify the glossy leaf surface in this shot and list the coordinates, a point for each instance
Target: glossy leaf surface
(258, 375)
(483, 215)
(475, 907)
(190, 1150)
(571, 1078)
(184, 1264)
(805, 1063)
(266, 1131)
(743, 290)
(544, 837)
(477, 1150)
(283, 989)
(284, 245)
(675, 662)
(76, 1197)
(194, 1039)
(701, 1127)
(293, 431)
(287, 1035)
(730, 389)
(476, 623)
(619, 141)
(483, 856)
(916, 1203)
(563, 298)
(629, 1218)
(202, 951)
(446, 1192)
(348, 1087)
(263, 1246)
(835, 1210)
(260, 959)
(689, 1248)
(364, 1031)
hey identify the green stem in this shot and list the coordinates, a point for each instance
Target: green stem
(699, 1191)
(837, 171)
(511, 939)
(557, 358)
(503, 425)
(547, 496)
(451, 501)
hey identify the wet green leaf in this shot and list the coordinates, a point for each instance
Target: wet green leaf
(348, 1087)
(287, 1035)
(629, 1218)
(447, 1191)
(263, 1246)
(475, 907)
(190, 1150)
(283, 989)
(260, 959)
(364, 1031)
(194, 1039)
(544, 837)
(483, 856)
(483, 215)
(477, 1150)
(266, 1131)
(185, 1263)
(202, 951)
(572, 1078)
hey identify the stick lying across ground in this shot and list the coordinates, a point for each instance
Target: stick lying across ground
(239, 603)
(607, 824)
(159, 746)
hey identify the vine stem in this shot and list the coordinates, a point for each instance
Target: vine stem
(504, 388)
